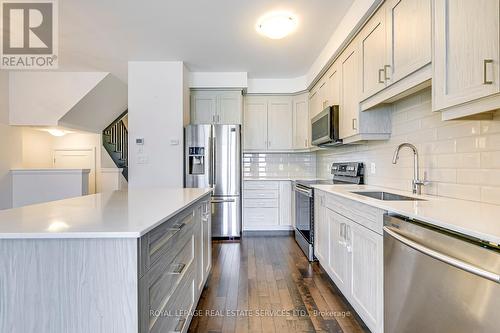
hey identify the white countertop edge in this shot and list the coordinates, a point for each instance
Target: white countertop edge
(36, 171)
(101, 234)
(72, 235)
(385, 205)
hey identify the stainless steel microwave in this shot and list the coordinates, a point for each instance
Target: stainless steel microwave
(325, 128)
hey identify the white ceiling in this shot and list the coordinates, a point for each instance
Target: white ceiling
(208, 35)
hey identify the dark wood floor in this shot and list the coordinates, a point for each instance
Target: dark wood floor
(265, 284)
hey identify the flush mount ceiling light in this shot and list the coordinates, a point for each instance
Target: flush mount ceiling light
(276, 25)
(56, 132)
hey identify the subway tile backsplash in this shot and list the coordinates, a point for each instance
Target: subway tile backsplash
(460, 158)
(277, 165)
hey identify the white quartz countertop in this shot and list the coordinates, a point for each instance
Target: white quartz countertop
(470, 218)
(118, 214)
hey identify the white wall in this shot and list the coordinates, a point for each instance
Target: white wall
(42, 98)
(10, 145)
(157, 103)
(38, 147)
(460, 158)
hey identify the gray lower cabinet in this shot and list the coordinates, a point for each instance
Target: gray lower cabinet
(101, 285)
(174, 264)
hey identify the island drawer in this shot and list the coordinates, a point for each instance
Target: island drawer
(164, 241)
(174, 315)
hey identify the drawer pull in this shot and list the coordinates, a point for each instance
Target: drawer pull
(485, 75)
(380, 71)
(178, 268)
(180, 225)
(180, 325)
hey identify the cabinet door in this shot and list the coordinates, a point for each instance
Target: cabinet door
(203, 107)
(408, 25)
(279, 124)
(255, 124)
(207, 239)
(332, 89)
(313, 104)
(285, 203)
(321, 237)
(338, 252)
(199, 247)
(366, 278)
(301, 122)
(229, 105)
(466, 51)
(349, 92)
(372, 52)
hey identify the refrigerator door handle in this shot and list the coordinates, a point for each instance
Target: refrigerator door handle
(214, 162)
(210, 165)
(223, 200)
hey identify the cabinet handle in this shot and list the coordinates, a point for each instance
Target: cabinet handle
(348, 238)
(342, 234)
(180, 325)
(386, 67)
(305, 143)
(218, 118)
(380, 71)
(354, 124)
(485, 75)
(178, 268)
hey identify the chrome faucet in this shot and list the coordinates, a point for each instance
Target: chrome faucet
(416, 183)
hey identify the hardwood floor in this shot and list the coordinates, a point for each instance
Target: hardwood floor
(266, 284)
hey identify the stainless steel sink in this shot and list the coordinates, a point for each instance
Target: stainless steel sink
(387, 196)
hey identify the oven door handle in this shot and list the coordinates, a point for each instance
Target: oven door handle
(443, 257)
(304, 191)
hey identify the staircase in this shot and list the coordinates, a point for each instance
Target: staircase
(115, 141)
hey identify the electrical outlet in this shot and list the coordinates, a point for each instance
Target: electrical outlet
(373, 168)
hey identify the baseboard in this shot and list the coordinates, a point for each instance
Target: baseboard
(267, 233)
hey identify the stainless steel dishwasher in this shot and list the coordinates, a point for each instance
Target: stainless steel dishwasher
(438, 281)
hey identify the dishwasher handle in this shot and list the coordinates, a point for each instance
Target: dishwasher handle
(443, 257)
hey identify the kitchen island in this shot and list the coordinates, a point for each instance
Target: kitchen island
(123, 261)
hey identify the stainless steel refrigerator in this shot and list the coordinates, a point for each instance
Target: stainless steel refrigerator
(213, 159)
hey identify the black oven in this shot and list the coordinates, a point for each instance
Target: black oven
(344, 173)
(304, 210)
(325, 127)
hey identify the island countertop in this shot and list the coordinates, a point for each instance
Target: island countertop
(118, 214)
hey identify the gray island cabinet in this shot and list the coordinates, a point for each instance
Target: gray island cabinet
(125, 261)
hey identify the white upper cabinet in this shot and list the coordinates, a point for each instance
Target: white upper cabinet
(268, 123)
(229, 108)
(372, 41)
(395, 52)
(466, 54)
(301, 122)
(255, 124)
(408, 26)
(332, 87)
(216, 107)
(203, 107)
(349, 92)
(279, 124)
